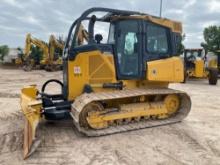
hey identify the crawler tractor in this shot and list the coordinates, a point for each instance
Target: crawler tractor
(112, 87)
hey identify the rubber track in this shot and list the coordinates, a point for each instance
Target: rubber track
(85, 99)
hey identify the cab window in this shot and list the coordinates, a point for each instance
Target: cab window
(157, 40)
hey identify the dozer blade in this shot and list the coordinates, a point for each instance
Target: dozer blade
(31, 143)
(31, 108)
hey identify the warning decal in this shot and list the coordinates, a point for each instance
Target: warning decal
(77, 70)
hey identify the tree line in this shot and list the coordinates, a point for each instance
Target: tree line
(212, 39)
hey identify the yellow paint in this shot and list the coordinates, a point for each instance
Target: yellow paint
(172, 103)
(18, 61)
(99, 120)
(31, 107)
(39, 43)
(213, 63)
(95, 68)
(199, 68)
(53, 44)
(165, 70)
(200, 71)
(175, 26)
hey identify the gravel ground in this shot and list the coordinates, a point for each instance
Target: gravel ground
(196, 140)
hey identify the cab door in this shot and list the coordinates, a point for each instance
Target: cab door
(128, 54)
(162, 66)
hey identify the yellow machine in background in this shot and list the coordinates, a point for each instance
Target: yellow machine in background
(18, 61)
(218, 60)
(28, 61)
(55, 53)
(52, 54)
(116, 86)
(213, 59)
(55, 58)
(82, 35)
(197, 66)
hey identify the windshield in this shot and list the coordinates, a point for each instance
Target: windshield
(194, 53)
(156, 39)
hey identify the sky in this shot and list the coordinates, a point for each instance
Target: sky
(44, 17)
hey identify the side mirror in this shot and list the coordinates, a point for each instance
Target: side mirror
(98, 38)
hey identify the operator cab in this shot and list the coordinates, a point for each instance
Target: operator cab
(132, 41)
(137, 41)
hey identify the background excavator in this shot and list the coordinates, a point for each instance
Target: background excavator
(199, 66)
(28, 61)
(116, 86)
(56, 47)
(55, 53)
(51, 59)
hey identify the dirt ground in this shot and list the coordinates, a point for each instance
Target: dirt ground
(194, 141)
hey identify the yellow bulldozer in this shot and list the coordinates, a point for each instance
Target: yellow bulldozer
(116, 86)
(198, 66)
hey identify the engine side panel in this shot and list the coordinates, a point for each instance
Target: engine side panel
(165, 70)
(89, 68)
